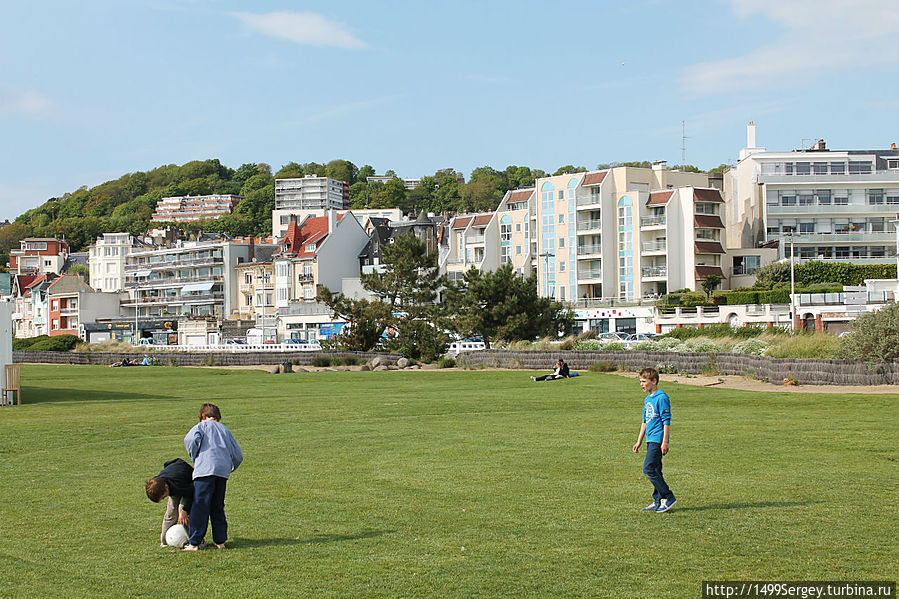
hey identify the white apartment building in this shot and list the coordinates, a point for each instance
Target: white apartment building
(832, 204)
(515, 213)
(195, 278)
(188, 208)
(106, 260)
(310, 193)
(473, 243)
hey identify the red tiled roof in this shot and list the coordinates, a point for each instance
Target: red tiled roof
(461, 222)
(595, 178)
(482, 220)
(707, 195)
(705, 271)
(314, 230)
(707, 220)
(658, 198)
(708, 247)
(521, 195)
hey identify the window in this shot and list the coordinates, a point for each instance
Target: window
(859, 168)
(248, 278)
(55, 324)
(803, 168)
(841, 200)
(518, 227)
(824, 197)
(249, 300)
(806, 199)
(837, 168)
(561, 219)
(788, 200)
(561, 194)
(806, 227)
(54, 305)
(268, 299)
(820, 168)
(875, 196)
(561, 266)
(517, 250)
(258, 299)
(561, 242)
(893, 163)
(48, 263)
(893, 199)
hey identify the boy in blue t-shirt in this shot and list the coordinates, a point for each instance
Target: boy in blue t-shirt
(656, 428)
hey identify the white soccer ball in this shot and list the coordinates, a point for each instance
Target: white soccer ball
(176, 536)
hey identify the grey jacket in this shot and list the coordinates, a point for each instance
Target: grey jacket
(213, 449)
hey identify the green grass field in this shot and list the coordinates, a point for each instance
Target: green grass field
(441, 484)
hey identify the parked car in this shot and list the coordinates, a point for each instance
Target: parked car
(235, 342)
(146, 341)
(613, 337)
(640, 337)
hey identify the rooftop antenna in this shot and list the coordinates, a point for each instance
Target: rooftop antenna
(683, 142)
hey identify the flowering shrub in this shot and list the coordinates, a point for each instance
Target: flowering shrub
(755, 347)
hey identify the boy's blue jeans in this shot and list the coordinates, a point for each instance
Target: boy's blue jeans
(209, 504)
(652, 468)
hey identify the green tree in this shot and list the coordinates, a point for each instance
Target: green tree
(709, 284)
(391, 194)
(500, 305)
(366, 320)
(342, 170)
(568, 169)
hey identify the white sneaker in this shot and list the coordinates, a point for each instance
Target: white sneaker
(533, 378)
(652, 507)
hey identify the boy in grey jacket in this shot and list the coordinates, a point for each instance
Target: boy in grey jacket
(216, 455)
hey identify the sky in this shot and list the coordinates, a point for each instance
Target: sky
(90, 91)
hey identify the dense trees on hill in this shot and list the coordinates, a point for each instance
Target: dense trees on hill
(127, 203)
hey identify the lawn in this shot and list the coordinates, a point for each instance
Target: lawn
(441, 484)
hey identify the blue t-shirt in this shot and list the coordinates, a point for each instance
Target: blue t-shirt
(656, 414)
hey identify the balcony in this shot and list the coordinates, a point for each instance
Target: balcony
(813, 179)
(652, 221)
(653, 272)
(743, 271)
(839, 237)
(170, 281)
(584, 250)
(169, 264)
(588, 275)
(589, 225)
(833, 209)
(649, 247)
(589, 200)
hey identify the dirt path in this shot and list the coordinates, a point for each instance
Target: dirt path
(730, 381)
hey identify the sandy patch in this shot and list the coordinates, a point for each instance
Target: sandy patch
(732, 381)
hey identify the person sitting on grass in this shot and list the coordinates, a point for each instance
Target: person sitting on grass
(175, 482)
(561, 372)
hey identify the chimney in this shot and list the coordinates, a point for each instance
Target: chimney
(332, 221)
(750, 134)
(892, 146)
(252, 252)
(820, 146)
(659, 165)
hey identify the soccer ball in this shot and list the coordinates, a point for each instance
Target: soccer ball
(176, 536)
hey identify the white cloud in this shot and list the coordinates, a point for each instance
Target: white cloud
(301, 27)
(25, 103)
(819, 37)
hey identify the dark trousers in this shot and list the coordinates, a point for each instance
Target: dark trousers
(652, 468)
(209, 504)
(548, 377)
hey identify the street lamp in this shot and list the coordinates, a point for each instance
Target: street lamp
(546, 256)
(792, 287)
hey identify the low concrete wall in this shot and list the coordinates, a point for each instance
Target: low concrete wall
(190, 358)
(775, 370)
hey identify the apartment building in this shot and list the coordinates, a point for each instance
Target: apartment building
(515, 213)
(39, 255)
(586, 242)
(473, 243)
(838, 205)
(188, 208)
(321, 251)
(256, 286)
(106, 260)
(310, 193)
(193, 278)
(29, 313)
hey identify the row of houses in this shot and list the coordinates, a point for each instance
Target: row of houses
(608, 242)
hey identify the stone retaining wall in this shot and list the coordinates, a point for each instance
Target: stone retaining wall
(775, 370)
(191, 358)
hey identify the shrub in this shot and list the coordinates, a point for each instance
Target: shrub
(587, 345)
(755, 347)
(735, 298)
(568, 342)
(603, 366)
(321, 361)
(446, 363)
(58, 343)
(700, 345)
(666, 343)
(27, 342)
(614, 346)
(649, 345)
(875, 336)
(110, 346)
(347, 360)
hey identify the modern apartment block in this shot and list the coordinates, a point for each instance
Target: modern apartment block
(310, 193)
(106, 261)
(188, 208)
(830, 204)
(595, 232)
(473, 243)
(515, 214)
(195, 278)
